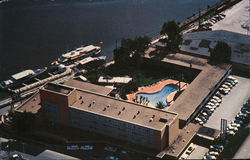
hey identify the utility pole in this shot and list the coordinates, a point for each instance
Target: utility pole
(199, 18)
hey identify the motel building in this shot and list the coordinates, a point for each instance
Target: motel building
(89, 107)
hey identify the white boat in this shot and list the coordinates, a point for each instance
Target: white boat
(21, 77)
(78, 54)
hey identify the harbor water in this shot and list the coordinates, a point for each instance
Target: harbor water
(33, 34)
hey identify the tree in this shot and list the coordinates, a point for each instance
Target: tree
(134, 48)
(172, 31)
(160, 105)
(121, 56)
(221, 53)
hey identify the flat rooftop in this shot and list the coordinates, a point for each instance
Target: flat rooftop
(200, 87)
(88, 86)
(184, 138)
(198, 90)
(33, 104)
(62, 89)
(123, 110)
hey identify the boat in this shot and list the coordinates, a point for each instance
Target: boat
(78, 54)
(38, 72)
(21, 77)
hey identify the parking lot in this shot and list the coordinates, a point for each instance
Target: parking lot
(198, 153)
(231, 103)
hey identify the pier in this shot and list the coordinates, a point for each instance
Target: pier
(217, 8)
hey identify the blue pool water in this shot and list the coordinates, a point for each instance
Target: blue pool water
(161, 95)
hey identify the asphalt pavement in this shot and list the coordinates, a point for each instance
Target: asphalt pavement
(231, 103)
(198, 153)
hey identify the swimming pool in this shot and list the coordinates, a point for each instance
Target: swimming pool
(161, 95)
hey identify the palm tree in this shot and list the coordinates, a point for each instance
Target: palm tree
(160, 105)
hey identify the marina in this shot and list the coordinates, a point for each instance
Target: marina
(25, 83)
(116, 88)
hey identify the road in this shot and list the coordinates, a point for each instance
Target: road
(8, 100)
(231, 103)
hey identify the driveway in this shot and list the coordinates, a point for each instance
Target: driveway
(231, 103)
(198, 153)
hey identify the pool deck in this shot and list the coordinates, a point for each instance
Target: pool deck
(155, 88)
(201, 86)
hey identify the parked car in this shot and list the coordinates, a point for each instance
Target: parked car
(241, 115)
(213, 101)
(225, 86)
(231, 128)
(208, 156)
(210, 107)
(204, 114)
(231, 77)
(211, 104)
(111, 158)
(238, 121)
(214, 153)
(217, 98)
(231, 82)
(228, 84)
(197, 119)
(245, 110)
(204, 119)
(190, 149)
(223, 91)
(234, 80)
(223, 15)
(217, 147)
(124, 151)
(230, 132)
(218, 94)
(235, 124)
(209, 112)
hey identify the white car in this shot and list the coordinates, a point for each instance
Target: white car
(236, 81)
(235, 124)
(210, 107)
(213, 101)
(190, 149)
(197, 120)
(214, 153)
(230, 132)
(228, 84)
(211, 104)
(204, 114)
(231, 77)
(229, 127)
(225, 86)
(217, 99)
